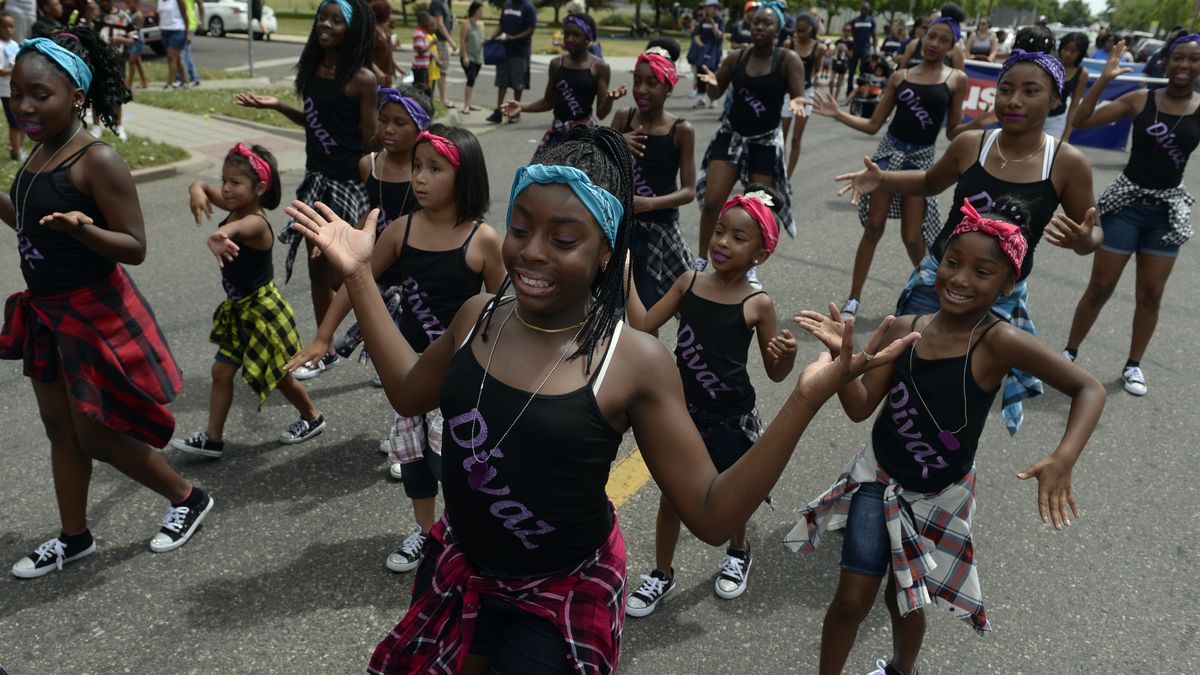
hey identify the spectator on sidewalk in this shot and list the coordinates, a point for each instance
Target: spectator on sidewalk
(115, 27)
(195, 17)
(518, 19)
(49, 18)
(8, 58)
(383, 63)
(173, 27)
(443, 22)
(24, 13)
(138, 46)
(863, 34)
(471, 39)
(422, 55)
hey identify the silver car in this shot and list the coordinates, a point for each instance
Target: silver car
(233, 16)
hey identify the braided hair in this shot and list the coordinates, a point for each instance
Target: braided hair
(355, 53)
(108, 90)
(602, 154)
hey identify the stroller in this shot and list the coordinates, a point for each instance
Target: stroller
(870, 86)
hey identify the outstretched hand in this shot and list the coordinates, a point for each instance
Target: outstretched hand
(861, 182)
(619, 92)
(1113, 68)
(825, 376)
(825, 104)
(1056, 501)
(827, 329)
(1066, 233)
(346, 248)
(200, 205)
(222, 247)
(707, 76)
(66, 222)
(256, 101)
(311, 353)
(782, 346)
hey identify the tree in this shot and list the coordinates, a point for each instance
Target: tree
(1139, 14)
(556, 5)
(1075, 13)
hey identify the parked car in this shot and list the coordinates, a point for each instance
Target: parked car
(233, 16)
(1146, 49)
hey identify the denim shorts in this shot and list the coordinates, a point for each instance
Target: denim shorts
(866, 548)
(724, 438)
(1138, 228)
(908, 149)
(922, 300)
(517, 641)
(174, 39)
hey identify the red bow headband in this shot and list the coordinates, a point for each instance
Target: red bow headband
(1012, 242)
(757, 204)
(261, 168)
(442, 146)
(662, 67)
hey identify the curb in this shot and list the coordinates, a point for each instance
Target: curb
(296, 134)
(152, 173)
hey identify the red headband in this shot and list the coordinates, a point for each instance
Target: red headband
(443, 146)
(662, 67)
(260, 165)
(756, 204)
(1012, 242)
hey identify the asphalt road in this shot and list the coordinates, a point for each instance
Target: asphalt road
(272, 58)
(287, 574)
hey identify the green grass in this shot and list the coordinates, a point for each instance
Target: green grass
(220, 101)
(156, 71)
(138, 152)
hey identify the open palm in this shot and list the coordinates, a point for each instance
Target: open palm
(346, 248)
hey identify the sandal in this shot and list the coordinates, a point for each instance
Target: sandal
(466, 111)
(449, 106)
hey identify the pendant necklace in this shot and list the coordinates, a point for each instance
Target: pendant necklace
(478, 473)
(947, 437)
(1004, 161)
(20, 209)
(1181, 118)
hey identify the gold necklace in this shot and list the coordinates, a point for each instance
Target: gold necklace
(539, 329)
(1004, 160)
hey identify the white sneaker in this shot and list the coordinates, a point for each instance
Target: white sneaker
(1066, 354)
(396, 470)
(49, 557)
(880, 668)
(385, 446)
(310, 370)
(655, 587)
(96, 130)
(850, 308)
(409, 555)
(1135, 380)
(735, 573)
(752, 278)
(179, 525)
(121, 133)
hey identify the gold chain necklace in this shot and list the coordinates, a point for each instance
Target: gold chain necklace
(544, 330)
(1004, 161)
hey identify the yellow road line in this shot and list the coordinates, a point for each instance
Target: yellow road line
(626, 478)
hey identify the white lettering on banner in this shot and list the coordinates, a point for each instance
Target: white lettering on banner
(981, 96)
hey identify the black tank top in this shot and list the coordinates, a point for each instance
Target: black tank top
(810, 65)
(758, 100)
(917, 452)
(574, 92)
(891, 46)
(332, 133)
(920, 111)
(249, 271)
(53, 261)
(434, 284)
(541, 507)
(1162, 144)
(983, 189)
(656, 172)
(1068, 92)
(711, 350)
(392, 198)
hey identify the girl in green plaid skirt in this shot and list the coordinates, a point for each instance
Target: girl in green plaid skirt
(254, 328)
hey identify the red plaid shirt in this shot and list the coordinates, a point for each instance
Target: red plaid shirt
(933, 556)
(586, 605)
(104, 341)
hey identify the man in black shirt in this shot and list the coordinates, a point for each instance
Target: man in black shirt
(863, 34)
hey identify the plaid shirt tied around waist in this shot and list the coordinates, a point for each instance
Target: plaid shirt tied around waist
(932, 553)
(586, 605)
(1122, 192)
(346, 198)
(258, 333)
(1013, 308)
(739, 155)
(114, 357)
(895, 155)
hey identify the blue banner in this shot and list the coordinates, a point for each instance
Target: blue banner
(981, 96)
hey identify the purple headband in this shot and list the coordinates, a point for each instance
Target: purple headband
(415, 111)
(1050, 65)
(587, 30)
(954, 29)
(1183, 39)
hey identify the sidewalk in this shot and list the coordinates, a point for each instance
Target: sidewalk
(208, 137)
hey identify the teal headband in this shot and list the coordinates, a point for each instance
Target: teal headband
(344, 5)
(68, 60)
(604, 207)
